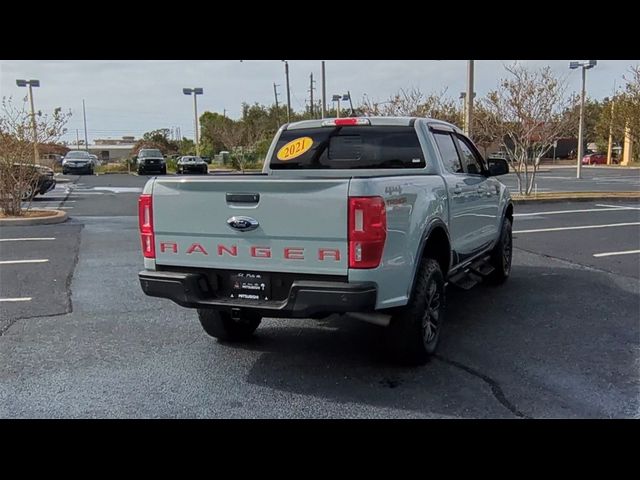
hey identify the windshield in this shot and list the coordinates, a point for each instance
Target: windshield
(150, 153)
(83, 155)
(348, 147)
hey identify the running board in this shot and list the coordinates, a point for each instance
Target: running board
(471, 274)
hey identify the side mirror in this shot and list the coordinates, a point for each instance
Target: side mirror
(497, 167)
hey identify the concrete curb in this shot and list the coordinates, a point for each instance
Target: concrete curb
(59, 217)
(575, 197)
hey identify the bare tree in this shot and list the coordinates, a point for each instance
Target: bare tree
(525, 114)
(241, 139)
(413, 103)
(18, 169)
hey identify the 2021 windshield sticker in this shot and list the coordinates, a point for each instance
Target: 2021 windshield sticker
(295, 148)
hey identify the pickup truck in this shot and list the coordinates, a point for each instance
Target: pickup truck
(371, 217)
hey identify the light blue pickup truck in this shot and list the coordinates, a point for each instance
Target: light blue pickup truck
(370, 217)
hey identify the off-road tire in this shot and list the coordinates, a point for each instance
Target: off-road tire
(502, 255)
(415, 329)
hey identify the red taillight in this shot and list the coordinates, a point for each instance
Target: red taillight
(367, 231)
(145, 220)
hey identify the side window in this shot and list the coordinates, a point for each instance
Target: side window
(448, 152)
(471, 161)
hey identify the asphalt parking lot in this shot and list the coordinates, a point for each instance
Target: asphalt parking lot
(559, 340)
(595, 178)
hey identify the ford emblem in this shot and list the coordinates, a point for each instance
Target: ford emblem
(244, 224)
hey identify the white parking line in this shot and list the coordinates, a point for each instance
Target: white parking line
(619, 207)
(13, 262)
(34, 239)
(57, 208)
(586, 210)
(581, 227)
(20, 299)
(611, 254)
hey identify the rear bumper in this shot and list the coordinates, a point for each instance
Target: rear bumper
(46, 186)
(305, 299)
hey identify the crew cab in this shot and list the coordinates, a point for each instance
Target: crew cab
(369, 216)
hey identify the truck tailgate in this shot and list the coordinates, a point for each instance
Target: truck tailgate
(302, 224)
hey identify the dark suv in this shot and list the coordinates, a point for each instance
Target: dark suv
(151, 160)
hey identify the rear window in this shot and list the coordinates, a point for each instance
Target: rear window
(348, 147)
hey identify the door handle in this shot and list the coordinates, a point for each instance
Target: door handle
(457, 190)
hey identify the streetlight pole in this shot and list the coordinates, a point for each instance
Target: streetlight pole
(324, 92)
(585, 66)
(32, 83)
(336, 98)
(84, 115)
(469, 99)
(195, 92)
(610, 145)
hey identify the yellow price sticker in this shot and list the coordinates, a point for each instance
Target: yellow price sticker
(295, 148)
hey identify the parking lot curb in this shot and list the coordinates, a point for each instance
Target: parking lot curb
(59, 217)
(574, 196)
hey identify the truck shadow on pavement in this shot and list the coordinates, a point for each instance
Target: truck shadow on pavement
(551, 342)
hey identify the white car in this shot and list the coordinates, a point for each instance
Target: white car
(192, 164)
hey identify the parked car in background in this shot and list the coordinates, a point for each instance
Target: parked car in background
(151, 160)
(594, 159)
(96, 161)
(192, 164)
(36, 180)
(76, 162)
(207, 160)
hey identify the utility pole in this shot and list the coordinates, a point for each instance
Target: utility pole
(324, 92)
(275, 93)
(77, 139)
(469, 111)
(353, 112)
(286, 73)
(84, 115)
(311, 93)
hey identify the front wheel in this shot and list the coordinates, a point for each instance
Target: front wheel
(220, 325)
(415, 329)
(502, 254)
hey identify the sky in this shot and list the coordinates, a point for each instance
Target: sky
(130, 97)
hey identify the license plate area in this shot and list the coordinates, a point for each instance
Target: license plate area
(250, 286)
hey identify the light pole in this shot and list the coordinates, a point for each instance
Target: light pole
(347, 96)
(468, 125)
(324, 92)
(337, 98)
(195, 92)
(84, 115)
(585, 66)
(32, 83)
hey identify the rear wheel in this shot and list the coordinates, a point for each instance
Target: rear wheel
(163, 171)
(502, 254)
(220, 325)
(415, 328)
(26, 192)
